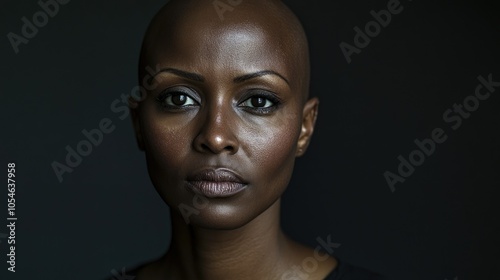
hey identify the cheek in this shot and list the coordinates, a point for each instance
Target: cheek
(273, 157)
(166, 140)
(167, 146)
(276, 148)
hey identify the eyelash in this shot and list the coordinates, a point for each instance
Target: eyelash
(162, 97)
(276, 102)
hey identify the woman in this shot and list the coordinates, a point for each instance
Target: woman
(225, 114)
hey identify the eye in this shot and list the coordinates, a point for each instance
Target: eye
(258, 102)
(177, 98)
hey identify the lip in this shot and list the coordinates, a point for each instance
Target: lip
(214, 183)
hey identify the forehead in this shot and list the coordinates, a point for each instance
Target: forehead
(236, 48)
(249, 39)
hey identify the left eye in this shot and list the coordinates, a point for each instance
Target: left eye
(258, 102)
(179, 100)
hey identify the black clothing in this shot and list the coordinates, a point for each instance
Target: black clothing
(345, 271)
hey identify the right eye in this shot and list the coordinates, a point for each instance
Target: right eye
(176, 99)
(179, 99)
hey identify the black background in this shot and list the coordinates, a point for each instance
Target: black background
(441, 223)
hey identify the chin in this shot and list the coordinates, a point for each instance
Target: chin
(221, 217)
(224, 214)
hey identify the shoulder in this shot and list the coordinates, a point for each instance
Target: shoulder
(346, 271)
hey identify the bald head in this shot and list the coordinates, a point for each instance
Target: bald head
(239, 36)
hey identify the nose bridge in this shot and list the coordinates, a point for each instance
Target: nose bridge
(216, 133)
(216, 120)
(218, 111)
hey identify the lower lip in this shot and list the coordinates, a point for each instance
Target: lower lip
(213, 189)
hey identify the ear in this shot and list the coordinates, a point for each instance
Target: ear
(309, 115)
(134, 115)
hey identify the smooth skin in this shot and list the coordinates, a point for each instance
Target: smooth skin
(230, 94)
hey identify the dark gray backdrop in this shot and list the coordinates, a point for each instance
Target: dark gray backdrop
(441, 223)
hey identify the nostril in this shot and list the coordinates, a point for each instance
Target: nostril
(215, 149)
(229, 148)
(205, 147)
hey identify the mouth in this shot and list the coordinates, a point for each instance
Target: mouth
(216, 183)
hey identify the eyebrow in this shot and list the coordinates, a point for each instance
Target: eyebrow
(200, 78)
(258, 74)
(184, 74)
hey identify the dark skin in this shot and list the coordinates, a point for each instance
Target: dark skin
(230, 94)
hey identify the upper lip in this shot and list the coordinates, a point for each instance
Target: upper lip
(216, 175)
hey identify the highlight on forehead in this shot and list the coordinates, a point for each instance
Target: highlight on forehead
(271, 16)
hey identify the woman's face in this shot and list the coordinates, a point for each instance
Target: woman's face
(224, 122)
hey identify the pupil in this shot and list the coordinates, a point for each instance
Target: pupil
(258, 102)
(179, 99)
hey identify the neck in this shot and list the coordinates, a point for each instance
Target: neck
(254, 251)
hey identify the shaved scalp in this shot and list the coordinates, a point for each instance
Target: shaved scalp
(272, 17)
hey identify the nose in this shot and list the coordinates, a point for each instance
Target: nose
(216, 134)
